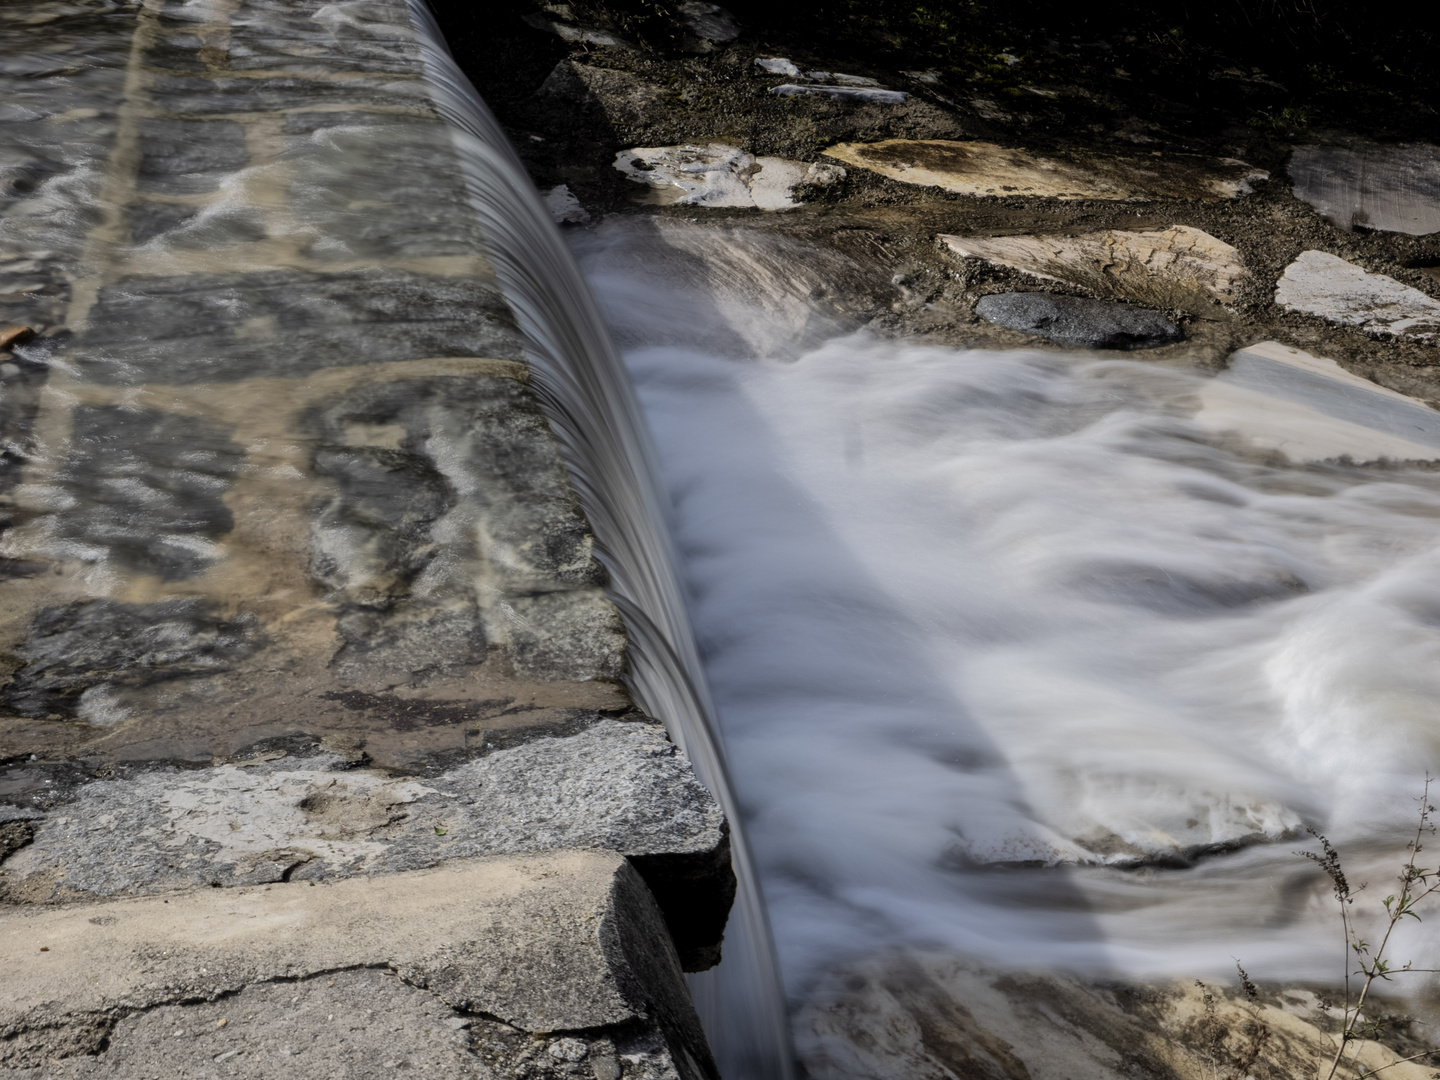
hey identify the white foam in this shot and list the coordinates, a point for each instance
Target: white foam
(961, 608)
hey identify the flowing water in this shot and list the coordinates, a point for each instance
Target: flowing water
(1012, 655)
(592, 409)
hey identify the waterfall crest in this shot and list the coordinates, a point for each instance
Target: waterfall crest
(586, 393)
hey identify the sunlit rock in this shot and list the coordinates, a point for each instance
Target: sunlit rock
(564, 207)
(1071, 320)
(1309, 408)
(1318, 283)
(10, 336)
(1393, 188)
(1176, 267)
(714, 175)
(981, 168)
(777, 65)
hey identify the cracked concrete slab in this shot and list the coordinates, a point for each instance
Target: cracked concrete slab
(563, 942)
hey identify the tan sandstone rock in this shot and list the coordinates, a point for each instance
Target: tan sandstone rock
(1175, 267)
(982, 168)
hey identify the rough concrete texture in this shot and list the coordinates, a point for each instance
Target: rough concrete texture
(982, 168)
(297, 586)
(1071, 320)
(1178, 267)
(618, 786)
(548, 945)
(1318, 283)
(930, 1014)
(1371, 186)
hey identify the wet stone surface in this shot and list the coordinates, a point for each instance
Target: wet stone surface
(286, 537)
(227, 327)
(1072, 320)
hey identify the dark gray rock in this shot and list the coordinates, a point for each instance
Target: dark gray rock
(97, 643)
(200, 327)
(148, 489)
(187, 157)
(1070, 320)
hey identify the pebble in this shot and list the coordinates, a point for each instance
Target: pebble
(10, 336)
(1070, 320)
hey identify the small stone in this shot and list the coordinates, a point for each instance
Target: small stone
(564, 207)
(1318, 283)
(822, 174)
(10, 336)
(777, 65)
(1071, 320)
(714, 175)
(709, 22)
(568, 1050)
(605, 1068)
(458, 1023)
(227, 1055)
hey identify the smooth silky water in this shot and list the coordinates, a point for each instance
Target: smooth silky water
(1012, 655)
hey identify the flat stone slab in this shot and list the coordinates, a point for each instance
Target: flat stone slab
(1071, 320)
(842, 92)
(1309, 408)
(569, 941)
(618, 786)
(716, 175)
(1176, 267)
(982, 168)
(1318, 283)
(1367, 185)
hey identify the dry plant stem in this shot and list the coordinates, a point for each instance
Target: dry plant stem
(1372, 964)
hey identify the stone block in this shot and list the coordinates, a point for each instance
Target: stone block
(981, 168)
(1325, 285)
(1178, 267)
(1371, 186)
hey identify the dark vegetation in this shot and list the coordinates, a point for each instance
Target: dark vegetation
(1282, 68)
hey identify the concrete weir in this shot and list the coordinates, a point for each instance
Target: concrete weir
(316, 749)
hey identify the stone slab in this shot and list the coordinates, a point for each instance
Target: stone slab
(1309, 408)
(933, 1013)
(1070, 320)
(982, 168)
(1325, 285)
(1372, 186)
(568, 941)
(713, 175)
(1178, 267)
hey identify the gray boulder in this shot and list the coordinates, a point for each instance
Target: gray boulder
(1071, 320)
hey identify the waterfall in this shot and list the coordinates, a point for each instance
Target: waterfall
(586, 393)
